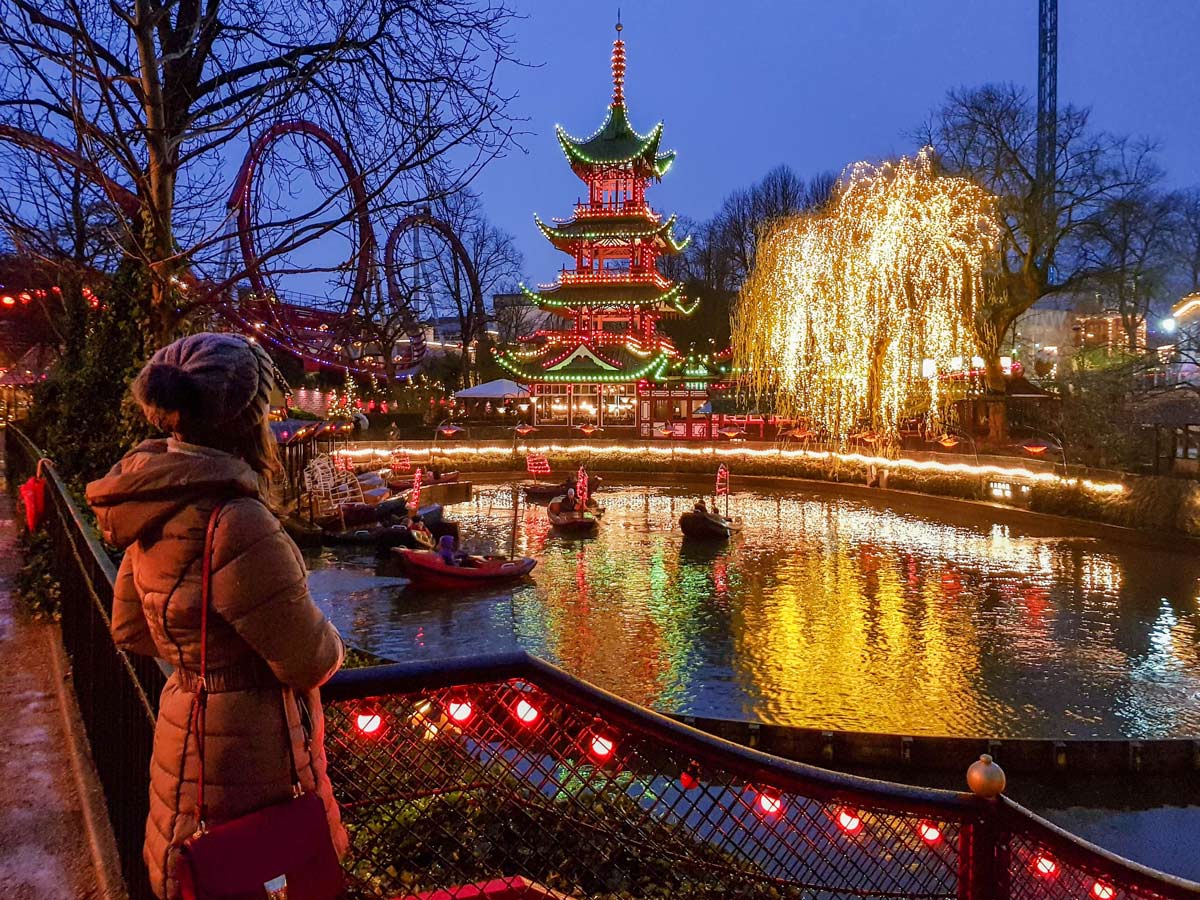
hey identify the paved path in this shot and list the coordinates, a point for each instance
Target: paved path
(45, 842)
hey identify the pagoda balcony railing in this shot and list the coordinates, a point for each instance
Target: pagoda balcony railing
(591, 278)
(623, 208)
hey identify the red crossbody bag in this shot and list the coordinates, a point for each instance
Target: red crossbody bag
(282, 852)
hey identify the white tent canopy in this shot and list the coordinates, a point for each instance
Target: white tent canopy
(500, 389)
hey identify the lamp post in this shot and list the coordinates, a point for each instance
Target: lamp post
(958, 432)
(1058, 443)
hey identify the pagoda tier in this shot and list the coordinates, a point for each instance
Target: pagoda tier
(581, 235)
(576, 297)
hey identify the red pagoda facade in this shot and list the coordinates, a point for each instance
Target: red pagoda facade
(605, 364)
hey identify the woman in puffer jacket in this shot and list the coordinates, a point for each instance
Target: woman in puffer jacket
(211, 393)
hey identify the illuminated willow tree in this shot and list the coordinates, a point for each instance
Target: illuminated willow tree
(851, 313)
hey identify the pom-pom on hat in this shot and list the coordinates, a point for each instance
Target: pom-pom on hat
(206, 381)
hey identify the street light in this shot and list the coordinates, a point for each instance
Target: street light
(1037, 449)
(951, 431)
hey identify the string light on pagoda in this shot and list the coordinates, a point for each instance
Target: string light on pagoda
(843, 306)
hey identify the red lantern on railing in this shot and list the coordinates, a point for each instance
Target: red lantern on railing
(1045, 865)
(930, 833)
(459, 710)
(769, 802)
(527, 714)
(33, 497)
(601, 746)
(848, 820)
(368, 722)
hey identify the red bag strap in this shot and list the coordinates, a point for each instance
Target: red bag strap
(200, 708)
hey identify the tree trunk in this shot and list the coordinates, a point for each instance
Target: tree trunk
(158, 195)
(995, 400)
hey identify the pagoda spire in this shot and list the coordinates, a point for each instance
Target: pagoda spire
(618, 66)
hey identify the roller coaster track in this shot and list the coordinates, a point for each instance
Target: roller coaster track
(323, 338)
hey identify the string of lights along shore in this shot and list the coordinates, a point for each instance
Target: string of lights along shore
(611, 368)
(854, 315)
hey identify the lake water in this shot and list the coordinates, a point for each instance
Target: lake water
(841, 611)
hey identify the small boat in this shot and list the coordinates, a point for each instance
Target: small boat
(706, 526)
(369, 531)
(406, 483)
(544, 491)
(425, 567)
(571, 522)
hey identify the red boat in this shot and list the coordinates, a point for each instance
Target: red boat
(570, 522)
(426, 567)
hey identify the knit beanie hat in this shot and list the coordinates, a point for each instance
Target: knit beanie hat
(206, 381)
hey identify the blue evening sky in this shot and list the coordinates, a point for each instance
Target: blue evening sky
(745, 86)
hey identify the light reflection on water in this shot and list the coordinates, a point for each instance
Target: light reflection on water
(828, 611)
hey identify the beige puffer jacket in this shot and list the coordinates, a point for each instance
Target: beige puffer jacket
(264, 631)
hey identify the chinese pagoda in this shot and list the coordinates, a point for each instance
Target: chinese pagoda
(605, 364)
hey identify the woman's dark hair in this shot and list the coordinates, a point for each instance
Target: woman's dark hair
(172, 401)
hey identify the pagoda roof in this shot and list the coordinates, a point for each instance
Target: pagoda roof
(617, 144)
(581, 362)
(616, 296)
(615, 230)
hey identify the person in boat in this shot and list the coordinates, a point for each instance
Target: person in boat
(715, 511)
(420, 531)
(699, 508)
(445, 549)
(569, 504)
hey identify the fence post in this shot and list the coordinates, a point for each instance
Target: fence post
(983, 858)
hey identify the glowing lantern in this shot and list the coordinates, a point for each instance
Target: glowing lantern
(948, 441)
(601, 746)
(460, 710)
(849, 820)
(448, 430)
(665, 432)
(1035, 448)
(929, 832)
(368, 722)
(1045, 865)
(769, 802)
(527, 713)
(523, 429)
(8, 301)
(588, 429)
(689, 778)
(731, 432)
(1102, 891)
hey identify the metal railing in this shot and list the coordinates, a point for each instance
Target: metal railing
(117, 693)
(462, 772)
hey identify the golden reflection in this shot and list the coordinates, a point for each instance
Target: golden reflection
(836, 613)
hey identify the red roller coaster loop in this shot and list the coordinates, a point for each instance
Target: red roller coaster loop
(476, 321)
(317, 336)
